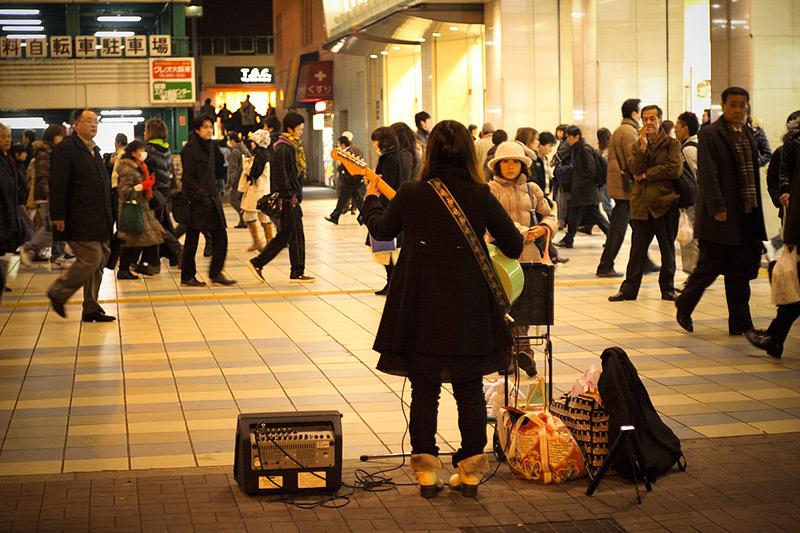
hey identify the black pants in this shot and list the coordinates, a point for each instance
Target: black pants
(290, 233)
(583, 214)
(665, 230)
(620, 218)
(350, 189)
(780, 326)
(471, 417)
(219, 250)
(128, 255)
(739, 264)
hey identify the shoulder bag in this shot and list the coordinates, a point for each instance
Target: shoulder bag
(627, 177)
(130, 217)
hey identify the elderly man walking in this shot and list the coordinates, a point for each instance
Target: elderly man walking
(80, 208)
(730, 222)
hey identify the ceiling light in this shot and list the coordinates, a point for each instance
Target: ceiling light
(114, 34)
(453, 28)
(24, 122)
(373, 56)
(19, 12)
(121, 120)
(421, 40)
(395, 48)
(28, 22)
(121, 112)
(28, 29)
(384, 53)
(119, 18)
(26, 36)
(436, 34)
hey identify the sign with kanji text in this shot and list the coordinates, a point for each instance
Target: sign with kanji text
(160, 45)
(110, 46)
(36, 48)
(172, 81)
(10, 48)
(136, 46)
(315, 81)
(61, 46)
(85, 46)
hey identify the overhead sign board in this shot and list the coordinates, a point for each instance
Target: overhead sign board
(172, 81)
(244, 75)
(315, 81)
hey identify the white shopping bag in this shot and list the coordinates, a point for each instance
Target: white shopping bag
(685, 229)
(785, 283)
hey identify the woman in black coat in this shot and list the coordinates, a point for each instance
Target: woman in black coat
(441, 322)
(197, 160)
(390, 168)
(772, 338)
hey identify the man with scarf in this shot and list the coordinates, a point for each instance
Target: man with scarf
(287, 173)
(729, 218)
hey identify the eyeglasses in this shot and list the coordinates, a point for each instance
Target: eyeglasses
(89, 121)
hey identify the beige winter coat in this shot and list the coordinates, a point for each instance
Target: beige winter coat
(514, 197)
(619, 154)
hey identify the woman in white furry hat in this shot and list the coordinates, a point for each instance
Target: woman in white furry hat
(525, 203)
(254, 185)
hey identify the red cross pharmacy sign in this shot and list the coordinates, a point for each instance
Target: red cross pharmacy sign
(315, 81)
(172, 81)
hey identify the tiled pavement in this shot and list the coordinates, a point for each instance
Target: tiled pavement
(161, 388)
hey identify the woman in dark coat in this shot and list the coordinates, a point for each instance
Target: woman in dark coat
(390, 168)
(441, 322)
(197, 160)
(772, 338)
(407, 144)
(136, 182)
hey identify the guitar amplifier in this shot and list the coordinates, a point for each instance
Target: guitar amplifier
(288, 452)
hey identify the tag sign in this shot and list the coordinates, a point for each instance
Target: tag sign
(244, 75)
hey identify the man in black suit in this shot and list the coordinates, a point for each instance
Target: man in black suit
(729, 218)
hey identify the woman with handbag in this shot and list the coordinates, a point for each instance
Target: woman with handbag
(525, 203)
(254, 186)
(442, 321)
(135, 184)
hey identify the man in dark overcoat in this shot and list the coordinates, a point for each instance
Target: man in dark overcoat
(80, 208)
(729, 218)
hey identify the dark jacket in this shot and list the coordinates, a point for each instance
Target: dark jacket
(80, 192)
(661, 164)
(773, 181)
(412, 164)
(719, 186)
(159, 163)
(239, 153)
(41, 170)
(789, 163)
(584, 190)
(390, 167)
(197, 160)
(791, 225)
(10, 234)
(439, 302)
(538, 172)
(284, 177)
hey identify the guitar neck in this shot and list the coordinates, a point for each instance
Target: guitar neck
(356, 166)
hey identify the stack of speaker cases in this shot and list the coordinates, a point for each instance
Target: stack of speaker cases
(289, 452)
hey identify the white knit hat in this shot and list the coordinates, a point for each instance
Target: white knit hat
(509, 150)
(348, 134)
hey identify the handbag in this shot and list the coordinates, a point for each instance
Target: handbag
(539, 447)
(469, 233)
(587, 421)
(785, 285)
(271, 204)
(626, 176)
(131, 220)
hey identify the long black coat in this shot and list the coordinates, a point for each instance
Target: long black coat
(439, 302)
(584, 189)
(199, 186)
(80, 192)
(10, 235)
(719, 186)
(791, 230)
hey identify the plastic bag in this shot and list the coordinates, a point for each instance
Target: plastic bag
(495, 396)
(785, 283)
(587, 382)
(685, 229)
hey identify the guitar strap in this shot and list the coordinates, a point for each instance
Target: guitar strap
(480, 254)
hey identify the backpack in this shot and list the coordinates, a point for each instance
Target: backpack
(686, 184)
(247, 164)
(600, 168)
(627, 403)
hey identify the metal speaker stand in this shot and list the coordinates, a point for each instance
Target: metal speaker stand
(634, 454)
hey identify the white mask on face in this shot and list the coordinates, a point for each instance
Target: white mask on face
(142, 155)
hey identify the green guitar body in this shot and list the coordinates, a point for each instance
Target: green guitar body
(509, 272)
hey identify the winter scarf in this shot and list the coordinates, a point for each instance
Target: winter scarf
(299, 154)
(147, 180)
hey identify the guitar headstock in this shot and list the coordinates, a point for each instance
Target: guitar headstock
(344, 156)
